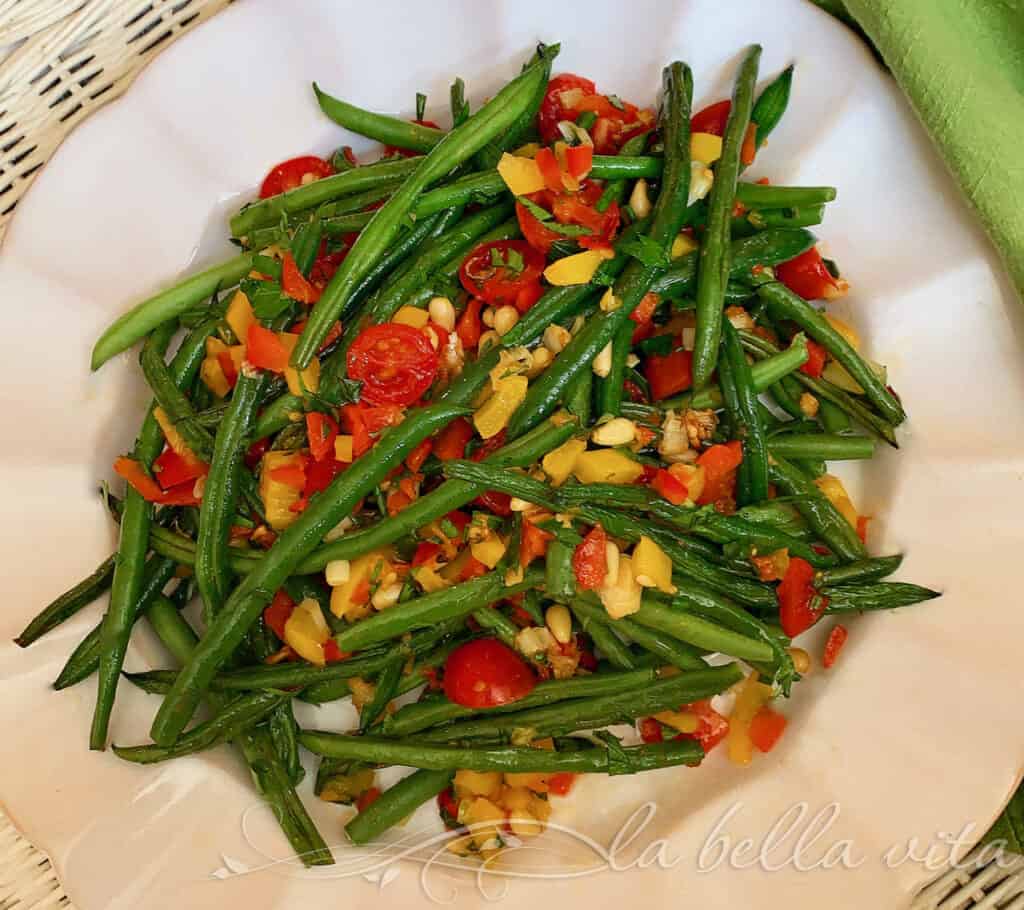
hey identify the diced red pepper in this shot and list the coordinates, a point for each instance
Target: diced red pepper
(150, 490)
(807, 276)
(470, 327)
(550, 170)
(276, 615)
(670, 487)
(172, 469)
(319, 475)
(836, 639)
(294, 283)
(472, 568)
(720, 463)
(367, 798)
(534, 543)
(414, 460)
(862, 527)
(452, 440)
(590, 560)
(748, 151)
(800, 605)
(669, 374)
(712, 727)
(228, 368)
(579, 159)
(426, 551)
(650, 730)
(815, 363)
(561, 783)
(291, 475)
(265, 350)
(321, 431)
(766, 729)
(711, 119)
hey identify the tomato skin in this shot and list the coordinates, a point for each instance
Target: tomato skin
(807, 276)
(538, 236)
(453, 439)
(669, 374)
(800, 605)
(500, 285)
(815, 362)
(766, 729)
(426, 550)
(485, 673)
(720, 463)
(276, 615)
(396, 363)
(469, 328)
(288, 174)
(590, 561)
(551, 109)
(560, 784)
(294, 283)
(650, 731)
(711, 119)
(836, 639)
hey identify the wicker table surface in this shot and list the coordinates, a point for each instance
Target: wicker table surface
(60, 60)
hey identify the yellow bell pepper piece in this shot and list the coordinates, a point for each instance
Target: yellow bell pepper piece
(652, 566)
(377, 563)
(576, 269)
(558, 463)
(278, 498)
(240, 316)
(845, 329)
(682, 245)
(411, 315)
(493, 415)
(213, 377)
(489, 551)
(752, 696)
(606, 466)
(306, 381)
(306, 631)
(706, 147)
(836, 493)
(521, 175)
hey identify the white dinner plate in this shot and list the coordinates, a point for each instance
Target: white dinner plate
(915, 736)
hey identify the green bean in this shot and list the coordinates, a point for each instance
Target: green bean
(397, 802)
(556, 305)
(863, 570)
(666, 221)
(821, 515)
(771, 196)
(85, 659)
(234, 718)
(784, 304)
(605, 639)
(492, 477)
(615, 190)
(173, 630)
(610, 389)
(498, 624)
(458, 103)
(457, 146)
(771, 104)
(175, 405)
(283, 730)
(455, 242)
(384, 690)
(560, 578)
(68, 604)
(268, 211)
(460, 600)
(699, 632)
(403, 134)
(764, 219)
(765, 373)
(358, 202)
(822, 446)
(672, 651)
(578, 397)
(425, 714)
(832, 417)
(713, 266)
(741, 402)
(142, 319)
(598, 711)
(780, 516)
(786, 394)
(881, 595)
(292, 546)
(598, 759)
(220, 496)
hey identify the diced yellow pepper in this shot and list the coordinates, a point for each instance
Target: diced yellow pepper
(845, 329)
(213, 377)
(527, 151)
(559, 463)
(489, 551)
(836, 493)
(306, 631)
(429, 580)
(652, 566)
(171, 434)
(376, 563)
(278, 498)
(621, 596)
(306, 381)
(521, 175)
(451, 572)
(537, 781)
(682, 245)
(215, 346)
(493, 415)
(485, 820)
(683, 721)
(240, 316)
(751, 697)
(343, 449)
(706, 147)
(411, 315)
(477, 783)
(606, 466)
(578, 268)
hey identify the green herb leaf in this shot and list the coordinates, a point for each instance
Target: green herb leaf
(659, 345)
(541, 214)
(421, 105)
(514, 260)
(645, 250)
(616, 102)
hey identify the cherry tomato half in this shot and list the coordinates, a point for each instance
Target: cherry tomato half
(486, 673)
(503, 272)
(289, 174)
(553, 108)
(395, 363)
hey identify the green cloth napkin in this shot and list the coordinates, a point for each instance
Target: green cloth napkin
(961, 65)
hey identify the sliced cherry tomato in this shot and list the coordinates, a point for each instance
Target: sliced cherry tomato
(452, 440)
(815, 363)
(486, 673)
(469, 328)
(294, 283)
(561, 783)
(553, 108)
(670, 486)
(538, 236)
(367, 798)
(395, 363)
(720, 463)
(276, 615)
(414, 460)
(265, 350)
(289, 174)
(590, 560)
(409, 153)
(172, 469)
(807, 276)
(534, 543)
(711, 119)
(321, 431)
(650, 730)
(766, 729)
(326, 264)
(669, 374)
(836, 639)
(571, 209)
(800, 605)
(492, 272)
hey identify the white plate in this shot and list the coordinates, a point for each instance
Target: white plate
(914, 733)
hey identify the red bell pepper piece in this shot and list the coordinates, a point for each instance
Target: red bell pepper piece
(815, 363)
(534, 543)
(711, 119)
(650, 730)
(720, 463)
(321, 431)
(265, 350)
(452, 440)
(670, 487)
(172, 469)
(550, 170)
(800, 605)
(766, 729)
(294, 283)
(836, 639)
(276, 615)
(590, 560)
(669, 374)
(561, 783)
(579, 159)
(469, 327)
(807, 276)
(414, 460)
